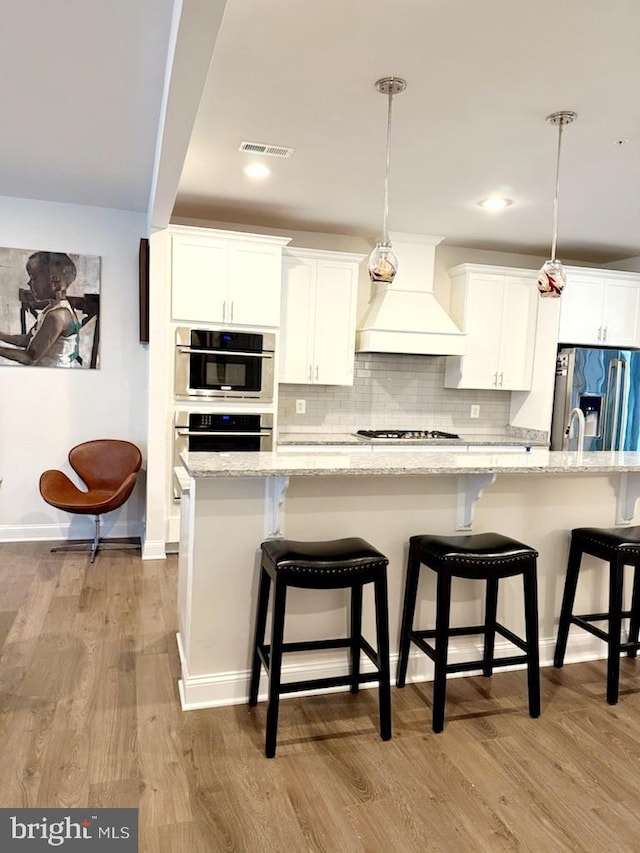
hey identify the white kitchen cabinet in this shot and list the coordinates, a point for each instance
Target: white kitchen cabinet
(318, 323)
(600, 307)
(497, 308)
(232, 279)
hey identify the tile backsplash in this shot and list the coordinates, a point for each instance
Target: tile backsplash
(394, 392)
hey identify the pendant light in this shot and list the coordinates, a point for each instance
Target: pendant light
(552, 277)
(383, 263)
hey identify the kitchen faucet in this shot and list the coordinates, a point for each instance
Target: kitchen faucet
(579, 414)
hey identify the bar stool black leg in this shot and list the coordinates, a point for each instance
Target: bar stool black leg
(408, 609)
(634, 622)
(443, 606)
(491, 609)
(382, 636)
(570, 585)
(615, 627)
(530, 589)
(261, 622)
(275, 666)
(356, 635)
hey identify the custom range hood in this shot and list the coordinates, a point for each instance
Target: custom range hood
(406, 317)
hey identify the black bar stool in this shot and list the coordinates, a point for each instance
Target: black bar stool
(620, 547)
(336, 564)
(484, 556)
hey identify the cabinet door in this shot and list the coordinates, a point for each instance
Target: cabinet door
(620, 316)
(483, 311)
(255, 273)
(517, 339)
(296, 333)
(199, 279)
(335, 323)
(581, 312)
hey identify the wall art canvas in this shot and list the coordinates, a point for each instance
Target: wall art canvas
(49, 309)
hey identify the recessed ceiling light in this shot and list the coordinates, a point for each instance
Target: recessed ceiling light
(494, 203)
(257, 171)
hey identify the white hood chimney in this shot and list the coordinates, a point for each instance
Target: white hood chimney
(406, 317)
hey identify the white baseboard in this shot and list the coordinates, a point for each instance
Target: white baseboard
(153, 549)
(78, 529)
(213, 690)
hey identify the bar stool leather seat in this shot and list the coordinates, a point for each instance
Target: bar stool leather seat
(335, 564)
(484, 556)
(620, 547)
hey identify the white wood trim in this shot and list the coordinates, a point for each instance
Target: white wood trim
(232, 688)
(236, 236)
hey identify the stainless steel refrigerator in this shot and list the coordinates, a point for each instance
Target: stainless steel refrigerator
(605, 385)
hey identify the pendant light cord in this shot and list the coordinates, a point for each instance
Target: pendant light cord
(385, 235)
(555, 200)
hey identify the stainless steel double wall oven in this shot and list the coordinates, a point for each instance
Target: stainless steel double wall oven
(222, 374)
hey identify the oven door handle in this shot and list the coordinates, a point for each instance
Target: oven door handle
(228, 352)
(182, 431)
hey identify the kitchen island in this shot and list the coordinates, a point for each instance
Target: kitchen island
(231, 502)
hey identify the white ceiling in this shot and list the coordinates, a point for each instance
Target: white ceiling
(482, 77)
(81, 95)
(80, 98)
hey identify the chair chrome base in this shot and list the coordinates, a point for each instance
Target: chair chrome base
(96, 544)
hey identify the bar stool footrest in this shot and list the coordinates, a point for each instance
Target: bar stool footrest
(466, 631)
(601, 617)
(264, 651)
(330, 681)
(584, 622)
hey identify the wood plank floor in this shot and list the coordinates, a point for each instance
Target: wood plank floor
(89, 716)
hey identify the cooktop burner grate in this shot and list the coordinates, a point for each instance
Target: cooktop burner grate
(407, 433)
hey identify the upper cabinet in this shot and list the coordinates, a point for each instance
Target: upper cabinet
(497, 308)
(318, 325)
(225, 277)
(601, 308)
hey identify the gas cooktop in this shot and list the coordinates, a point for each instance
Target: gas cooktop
(403, 434)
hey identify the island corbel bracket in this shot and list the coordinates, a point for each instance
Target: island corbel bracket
(470, 489)
(275, 489)
(627, 494)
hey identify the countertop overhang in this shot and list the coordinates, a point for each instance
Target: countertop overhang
(474, 472)
(408, 463)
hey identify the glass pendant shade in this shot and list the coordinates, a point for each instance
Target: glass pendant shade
(383, 264)
(552, 277)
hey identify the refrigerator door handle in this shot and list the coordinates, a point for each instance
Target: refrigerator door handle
(621, 398)
(614, 386)
(607, 425)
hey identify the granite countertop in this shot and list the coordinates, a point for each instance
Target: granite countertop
(327, 439)
(407, 463)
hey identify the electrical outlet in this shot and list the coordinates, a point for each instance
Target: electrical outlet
(301, 407)
(475, 412)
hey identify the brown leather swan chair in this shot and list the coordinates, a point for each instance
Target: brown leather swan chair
(109, 469)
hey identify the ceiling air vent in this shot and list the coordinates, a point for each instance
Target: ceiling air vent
(263, 148)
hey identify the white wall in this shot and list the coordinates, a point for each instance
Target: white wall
(45, 411)
(628, 264)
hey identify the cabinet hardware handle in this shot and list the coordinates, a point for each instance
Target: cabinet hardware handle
(495, 379)
(316, 372)
(231, 320)
(501, 377)
(599, 333)
(310, 372)
(224, 310)
(604, 336)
